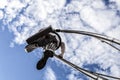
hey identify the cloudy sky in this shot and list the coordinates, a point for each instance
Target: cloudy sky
(19, 19)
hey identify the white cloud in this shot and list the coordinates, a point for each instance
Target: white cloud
(115, 70)
(113, 32)
(100, 6)
(100, 20)
(12, 45)
(49, 74)
(30, 16)
(1, 14)
(117, 2)
(72, 76)
(3, 3)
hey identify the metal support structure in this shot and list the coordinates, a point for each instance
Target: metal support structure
(93, 75)
(89, 74)
(99, 36)
(33, 42)
(103, 38)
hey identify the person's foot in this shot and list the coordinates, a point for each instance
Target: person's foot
(42, 62)
(30, 47)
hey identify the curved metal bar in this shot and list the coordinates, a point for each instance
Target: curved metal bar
(104, 38)
(110, 44)
(99, 36)
(60, 41)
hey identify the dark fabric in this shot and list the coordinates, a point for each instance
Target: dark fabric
(46, 40)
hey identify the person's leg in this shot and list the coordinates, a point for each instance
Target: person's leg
(30, 47)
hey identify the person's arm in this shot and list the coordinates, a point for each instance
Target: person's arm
(62, 50)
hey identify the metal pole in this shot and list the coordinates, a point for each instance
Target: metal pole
(88, 73)
(99, 36)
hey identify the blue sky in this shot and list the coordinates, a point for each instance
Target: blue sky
(19, 19)
(16, 64)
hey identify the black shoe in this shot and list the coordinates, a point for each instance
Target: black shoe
(42, 62)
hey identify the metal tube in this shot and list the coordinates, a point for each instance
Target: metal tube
(88, 73)
(99, 36)
(108, 76)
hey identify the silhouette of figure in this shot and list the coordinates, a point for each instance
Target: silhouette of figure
(49, 43)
